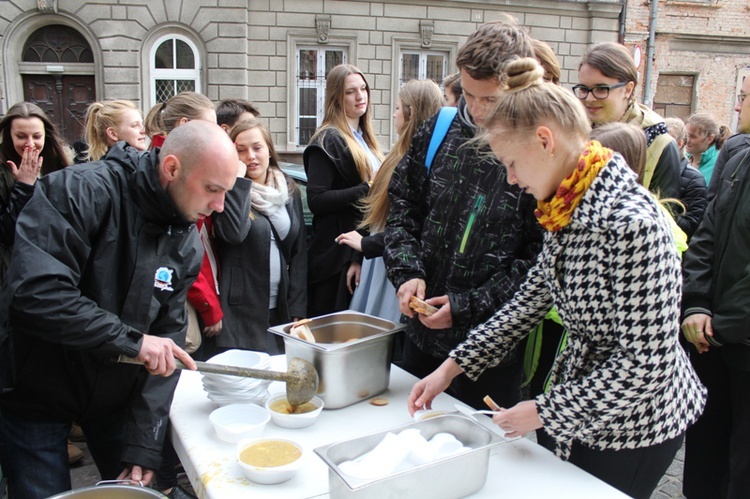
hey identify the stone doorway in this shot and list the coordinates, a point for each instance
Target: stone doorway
(57, 75)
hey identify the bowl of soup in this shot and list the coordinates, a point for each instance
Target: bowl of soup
(286, 416)
(269, 460)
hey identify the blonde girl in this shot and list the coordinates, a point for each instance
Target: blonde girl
(622, 392)
(340, 161)
(109, 122)
(417, 101)
(183, 107)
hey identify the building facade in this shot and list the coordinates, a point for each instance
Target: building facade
(65, 54)
(701, 53)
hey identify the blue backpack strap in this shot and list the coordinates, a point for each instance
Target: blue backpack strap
(445, 118)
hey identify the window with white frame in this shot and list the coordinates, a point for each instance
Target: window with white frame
(422, 65)
(312, 67)
(175, 67)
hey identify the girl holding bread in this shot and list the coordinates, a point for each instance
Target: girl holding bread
(622, 392)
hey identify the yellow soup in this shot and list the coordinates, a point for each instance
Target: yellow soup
(283, 407)
(270, 453)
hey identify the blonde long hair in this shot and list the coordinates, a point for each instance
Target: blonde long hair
(99, 117)
(334, 119)
(420, 100)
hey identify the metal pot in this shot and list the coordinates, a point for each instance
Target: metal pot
(111, 492)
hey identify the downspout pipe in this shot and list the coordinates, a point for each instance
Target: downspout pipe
(622, 20)
(647, 98)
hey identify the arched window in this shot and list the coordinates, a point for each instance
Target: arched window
(175, 67)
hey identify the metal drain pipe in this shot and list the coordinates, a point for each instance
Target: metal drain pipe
(647, 98)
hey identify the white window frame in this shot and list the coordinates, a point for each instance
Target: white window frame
(297, 41)
(319, 83)
(173, 74)
(448, 48)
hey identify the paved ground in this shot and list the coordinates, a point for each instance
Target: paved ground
(84, 474)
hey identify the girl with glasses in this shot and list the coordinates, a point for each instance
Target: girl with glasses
(606, 85)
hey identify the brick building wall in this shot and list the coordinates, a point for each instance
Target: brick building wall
(247, 48)
(707, 40)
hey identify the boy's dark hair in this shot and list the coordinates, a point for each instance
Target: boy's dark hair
(491, 47)
(229, 110)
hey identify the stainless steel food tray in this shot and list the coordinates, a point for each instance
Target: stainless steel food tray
(341, 330)
(456, 476)
(352, 355)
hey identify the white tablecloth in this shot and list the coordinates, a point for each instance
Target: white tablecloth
(517, 469)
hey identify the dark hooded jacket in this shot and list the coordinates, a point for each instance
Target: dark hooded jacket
(462, 228)
(734, 144)
(101, 256)
(716, 266)
(693, 197)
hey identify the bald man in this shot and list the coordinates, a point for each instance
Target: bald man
(104, 255)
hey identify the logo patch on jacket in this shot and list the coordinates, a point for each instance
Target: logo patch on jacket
(163, 279)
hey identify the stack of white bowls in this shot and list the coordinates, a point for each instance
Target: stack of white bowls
(225, 390)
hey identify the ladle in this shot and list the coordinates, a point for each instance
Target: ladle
(301, 378)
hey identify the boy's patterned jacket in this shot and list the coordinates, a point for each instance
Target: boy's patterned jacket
(462, 228)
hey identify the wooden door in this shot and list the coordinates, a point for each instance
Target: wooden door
(64, 98)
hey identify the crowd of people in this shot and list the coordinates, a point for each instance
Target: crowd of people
(578, 229)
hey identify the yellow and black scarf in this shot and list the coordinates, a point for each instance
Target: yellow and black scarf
(556, 213)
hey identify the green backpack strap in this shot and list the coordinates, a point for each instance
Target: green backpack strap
(560, 348)
(534, 348)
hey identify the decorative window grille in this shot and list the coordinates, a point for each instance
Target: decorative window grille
(422, 65)
(57, 44)
(312, 67)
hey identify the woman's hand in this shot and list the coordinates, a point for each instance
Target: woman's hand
(352, 276)
(31, 166)
(519, 420)
(695, 328)
(213, 330)
(241, 169)
(353, 239)
(423, 393)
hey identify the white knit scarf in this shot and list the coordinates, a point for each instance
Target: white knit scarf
(267, 198)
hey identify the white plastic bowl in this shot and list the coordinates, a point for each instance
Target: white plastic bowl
(237, 421)
(294, 420)
(268, 475)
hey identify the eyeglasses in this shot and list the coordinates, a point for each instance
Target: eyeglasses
(741, 97)
(600, 92)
